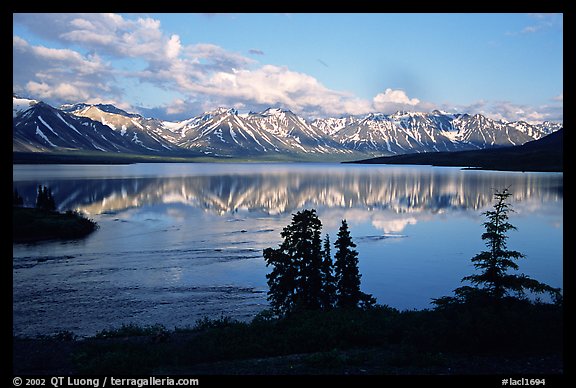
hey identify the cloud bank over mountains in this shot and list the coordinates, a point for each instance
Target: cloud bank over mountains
(97, 58)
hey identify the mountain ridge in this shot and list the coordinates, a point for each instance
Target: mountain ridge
(224, 132)
(544, 154)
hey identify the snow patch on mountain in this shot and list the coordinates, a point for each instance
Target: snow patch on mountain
(20, 105)
(43, 136)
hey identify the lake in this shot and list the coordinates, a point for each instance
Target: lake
(178, 242)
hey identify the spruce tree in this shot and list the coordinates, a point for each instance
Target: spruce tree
(347, 273)
(494, 282)
(281, 280)
(40, 198)
(50, 203)
(328, 299)
(295, 282)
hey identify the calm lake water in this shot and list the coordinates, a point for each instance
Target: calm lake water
(178, 242)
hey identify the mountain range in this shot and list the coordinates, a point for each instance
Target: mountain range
(39, 127)
(545, 154)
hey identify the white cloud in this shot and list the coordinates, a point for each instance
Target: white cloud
(267, 85)
(173, 47)
(393, 225)
(177, 106)
(508, 111)
(275, 85)
(394, 97)
(394, 100)
(63, 56)
(60, 75)
(215, 58)
(110, 34)
(62, 91)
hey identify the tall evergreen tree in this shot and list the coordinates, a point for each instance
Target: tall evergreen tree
(296, 279)
(281, 280)
(40, 198)
(50, 203)
(347, 273)
(328, 299)
(494, 282)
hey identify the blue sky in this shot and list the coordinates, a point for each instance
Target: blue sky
(175, 66)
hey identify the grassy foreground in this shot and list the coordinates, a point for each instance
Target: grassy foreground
(517, 337)
(31, 224)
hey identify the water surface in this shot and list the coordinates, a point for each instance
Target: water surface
(178, 242)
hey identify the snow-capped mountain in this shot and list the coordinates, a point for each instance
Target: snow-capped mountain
(226, 133)
(292, 130)
(408, 132)
(402, 132)
(146, 133)
(44, 128)
(20, 105)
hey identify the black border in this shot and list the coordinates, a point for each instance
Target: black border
(357, 6)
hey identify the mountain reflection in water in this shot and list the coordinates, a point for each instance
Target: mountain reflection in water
(401, 190)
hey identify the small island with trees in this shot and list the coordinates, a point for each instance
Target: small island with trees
(44, 222)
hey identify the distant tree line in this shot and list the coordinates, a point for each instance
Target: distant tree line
(44, 199)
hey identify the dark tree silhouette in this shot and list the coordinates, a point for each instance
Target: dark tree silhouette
(296, 279)
(45, 199)
(17, 199)
(281, 280)
(494, 282)
(347, 273)
(304, 276)
(328, 297)
(40, 198)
